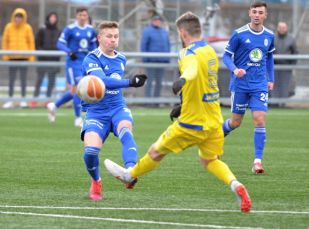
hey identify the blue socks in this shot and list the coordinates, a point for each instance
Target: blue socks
(259, 142)
(91, 158)
(226, 127)
(129, 147)
(76, 105)
(66, 97)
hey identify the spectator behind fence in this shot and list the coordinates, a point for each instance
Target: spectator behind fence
(155, 39)
(18, 35)
(285, 44)
(46, 39)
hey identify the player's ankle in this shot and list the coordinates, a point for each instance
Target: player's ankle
(234, 184)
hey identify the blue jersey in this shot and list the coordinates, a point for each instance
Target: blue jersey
(80, 40)
(99, 64)
(250, 50)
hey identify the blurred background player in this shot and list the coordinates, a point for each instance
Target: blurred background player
(46, 39)
(249, 56)
(23, 41)
(110, 114)
(200, 120)
(285, 44)
(155, 38)
(76, 40)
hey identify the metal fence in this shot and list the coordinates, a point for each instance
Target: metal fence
(134, 65)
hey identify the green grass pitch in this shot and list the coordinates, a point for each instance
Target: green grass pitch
(44, 184)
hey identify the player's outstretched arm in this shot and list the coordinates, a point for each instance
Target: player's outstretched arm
(138, 80)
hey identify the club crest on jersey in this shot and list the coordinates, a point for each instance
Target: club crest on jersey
(255, 55)
(115, 76)
(265, 42)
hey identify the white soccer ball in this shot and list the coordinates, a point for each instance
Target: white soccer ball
(91, 89)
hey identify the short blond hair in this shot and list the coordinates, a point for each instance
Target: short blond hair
(191, 23)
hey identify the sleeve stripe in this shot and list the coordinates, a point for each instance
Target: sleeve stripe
(228, 51)
(62, 40)
(272, 50)
(93, 69)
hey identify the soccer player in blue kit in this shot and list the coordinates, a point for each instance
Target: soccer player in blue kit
(249, 56)
(111, 113)
(77, 40)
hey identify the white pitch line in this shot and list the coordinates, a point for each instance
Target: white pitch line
(155, 209)
(25, 114)
(126, 220)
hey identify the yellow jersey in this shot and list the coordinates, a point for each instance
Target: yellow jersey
(198, 65)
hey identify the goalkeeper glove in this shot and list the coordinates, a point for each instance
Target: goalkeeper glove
(73, 55)
(175, 112)
(138, 80)
(178, 84)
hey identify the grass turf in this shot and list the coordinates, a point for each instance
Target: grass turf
(41, 165)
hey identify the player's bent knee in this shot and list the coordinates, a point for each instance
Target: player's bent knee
(92, 139)
(205, 162)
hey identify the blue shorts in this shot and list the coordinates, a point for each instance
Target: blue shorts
(105, 122)
(73, 75)
(256, 101)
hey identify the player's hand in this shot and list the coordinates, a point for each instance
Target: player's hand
(270, 86)
(73, 55)
(178, 84)
(239, 72)
(175, 112)
(138, 80)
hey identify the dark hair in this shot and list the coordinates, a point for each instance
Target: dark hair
(255, 4)
(81, 9)
(190, 22)
(107, 24)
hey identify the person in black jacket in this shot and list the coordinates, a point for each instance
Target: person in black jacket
(46, 39)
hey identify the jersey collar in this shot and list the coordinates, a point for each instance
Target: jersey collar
(254, 32)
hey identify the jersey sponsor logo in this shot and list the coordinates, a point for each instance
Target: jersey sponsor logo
(112, 92)
(106, 67)
(248, 41)
(83, 43)
(255, 55)
(115, 76)
(93, 65)
(77, 34)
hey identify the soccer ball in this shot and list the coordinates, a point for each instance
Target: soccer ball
(91, 89)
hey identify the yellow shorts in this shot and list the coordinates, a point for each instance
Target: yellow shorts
(176, 139)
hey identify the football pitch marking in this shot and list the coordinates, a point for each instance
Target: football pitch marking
(44, 114)
(156, 209)
(127, 220)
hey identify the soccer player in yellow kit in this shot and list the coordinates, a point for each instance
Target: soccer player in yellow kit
(200, 120)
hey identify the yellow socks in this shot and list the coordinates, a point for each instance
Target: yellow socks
(221, 171)
(144, 165)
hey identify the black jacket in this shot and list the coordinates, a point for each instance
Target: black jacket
(46, 39)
